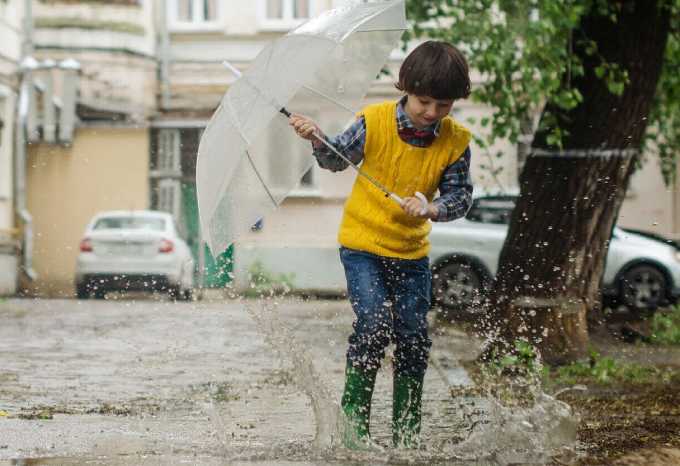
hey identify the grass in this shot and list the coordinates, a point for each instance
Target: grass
(604, 370)
(665, 327)
(264, 282)
(522, 363)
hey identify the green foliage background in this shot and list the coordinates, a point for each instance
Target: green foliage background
(523, 50)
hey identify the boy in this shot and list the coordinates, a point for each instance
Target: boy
(408, 146)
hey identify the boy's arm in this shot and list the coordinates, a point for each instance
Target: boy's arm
(455, 190)
(350, 143)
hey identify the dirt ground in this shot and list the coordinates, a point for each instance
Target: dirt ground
(630, 423)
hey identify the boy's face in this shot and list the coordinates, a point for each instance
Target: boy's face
(424, 110)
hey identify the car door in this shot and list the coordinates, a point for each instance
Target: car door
(480, 235)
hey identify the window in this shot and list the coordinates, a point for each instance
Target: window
(285, 14)
(193, 14)
(308, 186)
(492, 209)
(169, 151)
(166, 171)
(130, 223)
(170, 196)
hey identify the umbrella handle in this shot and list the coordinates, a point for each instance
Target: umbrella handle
(421, 197)
(423, 201)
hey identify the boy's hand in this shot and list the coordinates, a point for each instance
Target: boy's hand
(414, 207)
(304, 127)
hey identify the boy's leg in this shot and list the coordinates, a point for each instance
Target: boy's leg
(411, 288)
(372, 325)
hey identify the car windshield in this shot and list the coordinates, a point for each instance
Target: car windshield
(130, 223)
(492, 210)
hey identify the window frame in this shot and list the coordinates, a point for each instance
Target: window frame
(288, 21)
(473, 214)
(311, 190)
(169, 157)
(193, 25)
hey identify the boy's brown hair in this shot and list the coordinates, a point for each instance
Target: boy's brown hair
(435, 69)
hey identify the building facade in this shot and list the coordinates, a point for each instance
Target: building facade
(11, 13)
(143, 78)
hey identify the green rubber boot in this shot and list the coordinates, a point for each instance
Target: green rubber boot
(356, 406)
(406, 411)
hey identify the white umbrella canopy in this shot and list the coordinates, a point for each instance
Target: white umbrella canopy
(249, 158)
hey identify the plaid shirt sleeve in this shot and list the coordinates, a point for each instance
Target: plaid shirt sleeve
(350, 143)
(455, 190)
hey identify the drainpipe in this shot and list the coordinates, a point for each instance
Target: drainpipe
(67, 117)
(28, 64)
(26, 95)
(49, 123)
(164, 45)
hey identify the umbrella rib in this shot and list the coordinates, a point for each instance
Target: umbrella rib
(236, 122)
(330, 99)
(380, 30)
(259, 177)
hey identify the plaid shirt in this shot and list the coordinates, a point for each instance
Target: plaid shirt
(455, 186)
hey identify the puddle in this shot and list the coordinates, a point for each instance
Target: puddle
(253, 382)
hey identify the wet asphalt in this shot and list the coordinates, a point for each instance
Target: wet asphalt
(146, 380)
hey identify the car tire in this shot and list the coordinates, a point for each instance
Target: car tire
(175, 293)
(82, 292)
(99, 294)
(457, 289)
(643, 288)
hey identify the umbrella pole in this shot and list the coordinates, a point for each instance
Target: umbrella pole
(375, 183)
(421, 197)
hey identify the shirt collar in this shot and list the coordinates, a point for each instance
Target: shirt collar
(403, 121)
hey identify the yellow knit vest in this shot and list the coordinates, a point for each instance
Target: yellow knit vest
(374, 223)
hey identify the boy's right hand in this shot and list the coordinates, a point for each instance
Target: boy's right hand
(304, 127)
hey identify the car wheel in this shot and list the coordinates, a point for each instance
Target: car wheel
(175, 292)
(457, 289)
(99, 293)
(82, 292)
(643, 288)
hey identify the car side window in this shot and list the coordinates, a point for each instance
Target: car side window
(495, 210)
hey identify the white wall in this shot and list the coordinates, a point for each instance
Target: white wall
(7, 103)
(10, 38)
(10, 21)
(649, 203)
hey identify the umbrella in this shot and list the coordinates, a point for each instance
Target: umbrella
(249, 159)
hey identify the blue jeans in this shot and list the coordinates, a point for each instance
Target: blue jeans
(391, 298)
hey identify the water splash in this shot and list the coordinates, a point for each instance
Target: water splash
(512, 420)
(327, 413)
(520, 434)
(492, 430)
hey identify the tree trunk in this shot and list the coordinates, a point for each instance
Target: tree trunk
(552, 262)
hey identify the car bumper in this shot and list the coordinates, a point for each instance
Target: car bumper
(168, 269)
(124, 282)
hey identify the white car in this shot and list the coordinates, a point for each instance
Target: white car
(133, 250)
(642, 271)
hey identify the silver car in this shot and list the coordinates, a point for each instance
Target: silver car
(133, 250)
(642, 271)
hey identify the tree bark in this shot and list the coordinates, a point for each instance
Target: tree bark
(551, 265)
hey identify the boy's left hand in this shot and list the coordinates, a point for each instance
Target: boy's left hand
(413, 207)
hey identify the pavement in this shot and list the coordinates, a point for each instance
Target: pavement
(150, 381)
